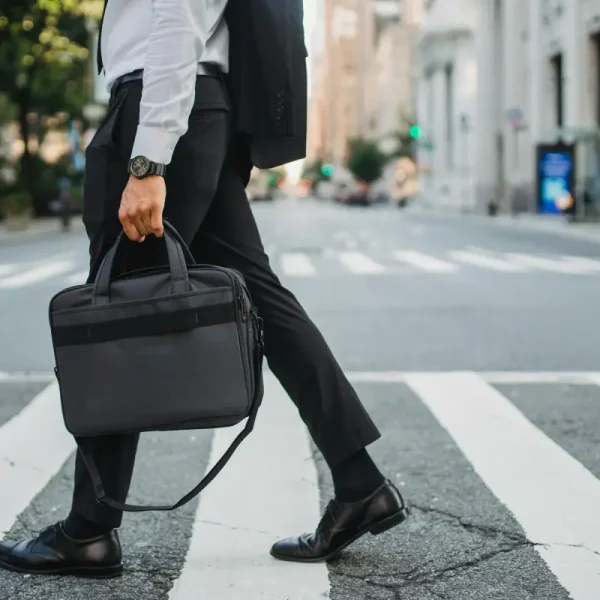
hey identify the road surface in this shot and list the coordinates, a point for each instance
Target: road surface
(475, 348)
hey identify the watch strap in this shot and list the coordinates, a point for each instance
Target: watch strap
(157, 169)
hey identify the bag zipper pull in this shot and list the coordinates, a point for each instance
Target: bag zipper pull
(243, 306)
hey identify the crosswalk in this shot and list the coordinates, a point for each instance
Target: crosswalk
(64, 270)
(552, 496)
(411, 261)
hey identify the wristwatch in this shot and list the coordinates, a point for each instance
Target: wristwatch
(141, 166)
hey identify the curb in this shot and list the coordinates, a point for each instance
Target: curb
(551, 225)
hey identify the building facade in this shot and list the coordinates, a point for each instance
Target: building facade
(363, 76)
(395, 69)
(343, 78)
(497, 78)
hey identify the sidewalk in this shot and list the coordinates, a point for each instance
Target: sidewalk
(38, 227)
(555, 224)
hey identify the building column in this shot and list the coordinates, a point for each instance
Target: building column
(537, 72)
(485, 119)
(573, 60)
(438, 91)
(511, 94)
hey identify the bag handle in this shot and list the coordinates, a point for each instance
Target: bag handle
(105, 500)
(178, 255)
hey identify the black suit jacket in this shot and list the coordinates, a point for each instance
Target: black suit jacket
(267, 78)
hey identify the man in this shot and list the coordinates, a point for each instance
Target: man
(175, 144)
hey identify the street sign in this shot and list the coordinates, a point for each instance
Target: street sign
(555, 178)
(515, 117)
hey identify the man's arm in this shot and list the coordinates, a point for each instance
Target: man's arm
(169, 85)
(169, 80)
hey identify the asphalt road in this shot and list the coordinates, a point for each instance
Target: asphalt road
(474, 347)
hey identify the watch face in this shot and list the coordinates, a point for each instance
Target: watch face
(140, 166)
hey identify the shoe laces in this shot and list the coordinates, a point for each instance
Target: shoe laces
(330, 516)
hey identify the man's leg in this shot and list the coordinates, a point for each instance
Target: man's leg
(192, 179)
(85, 544)
(297, 353)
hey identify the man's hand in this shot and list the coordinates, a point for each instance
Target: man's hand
(142, 205)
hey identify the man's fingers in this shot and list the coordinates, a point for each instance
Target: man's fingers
(156, 223)
(131, 231)
(137, 218)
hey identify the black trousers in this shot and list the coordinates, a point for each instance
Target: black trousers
(207, 203)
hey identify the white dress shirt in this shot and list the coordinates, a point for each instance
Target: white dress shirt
(169, 40)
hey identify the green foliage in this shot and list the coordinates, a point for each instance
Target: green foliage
(15, 203)
(44, 70)
(365, 160)
(44, 54)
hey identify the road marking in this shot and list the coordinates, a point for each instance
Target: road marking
(360, 263)
(77, 278)
(26, 377)
(424, 261)
(486, 262)
(554, 265)
(297, 264)
(260, 496)
(494, 377)
(37, 274)
(6, 270)
(552, 495)
(589, 263)
(34, 445)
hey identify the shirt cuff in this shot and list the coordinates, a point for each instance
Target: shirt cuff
(155, 144)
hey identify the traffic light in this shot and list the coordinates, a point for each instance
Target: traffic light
(415, 132)
(327, 170)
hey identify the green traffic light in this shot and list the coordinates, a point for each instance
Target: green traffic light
(415, 131)
(327, 170)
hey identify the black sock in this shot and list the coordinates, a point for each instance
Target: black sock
(356, 477)
(79, 528)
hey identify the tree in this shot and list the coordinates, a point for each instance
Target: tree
(365, 160)
(44, 66)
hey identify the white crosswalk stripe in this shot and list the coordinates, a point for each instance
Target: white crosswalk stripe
(24, 469)
(547, 264)
(227, 557)
(486, 261)
(285, 501)
(523, 467)
(360, 263)
(592, 266)
(78, 278)
(425, 262)
(68, 271)
(37, 274)
(7, 270)
(297, 265)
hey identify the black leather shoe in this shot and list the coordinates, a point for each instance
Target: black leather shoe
(343, 523)
(53, 552)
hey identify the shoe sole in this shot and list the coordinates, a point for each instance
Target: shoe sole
(375, 529)
(85, 572)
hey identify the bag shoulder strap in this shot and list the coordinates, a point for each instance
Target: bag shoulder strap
(102, 498)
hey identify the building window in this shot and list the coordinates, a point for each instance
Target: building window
(449, 76)
(557, 75)
(595, 40)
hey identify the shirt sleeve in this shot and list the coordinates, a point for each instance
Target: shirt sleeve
(169, 80)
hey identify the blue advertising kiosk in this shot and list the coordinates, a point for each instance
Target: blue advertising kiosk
(555, 166)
